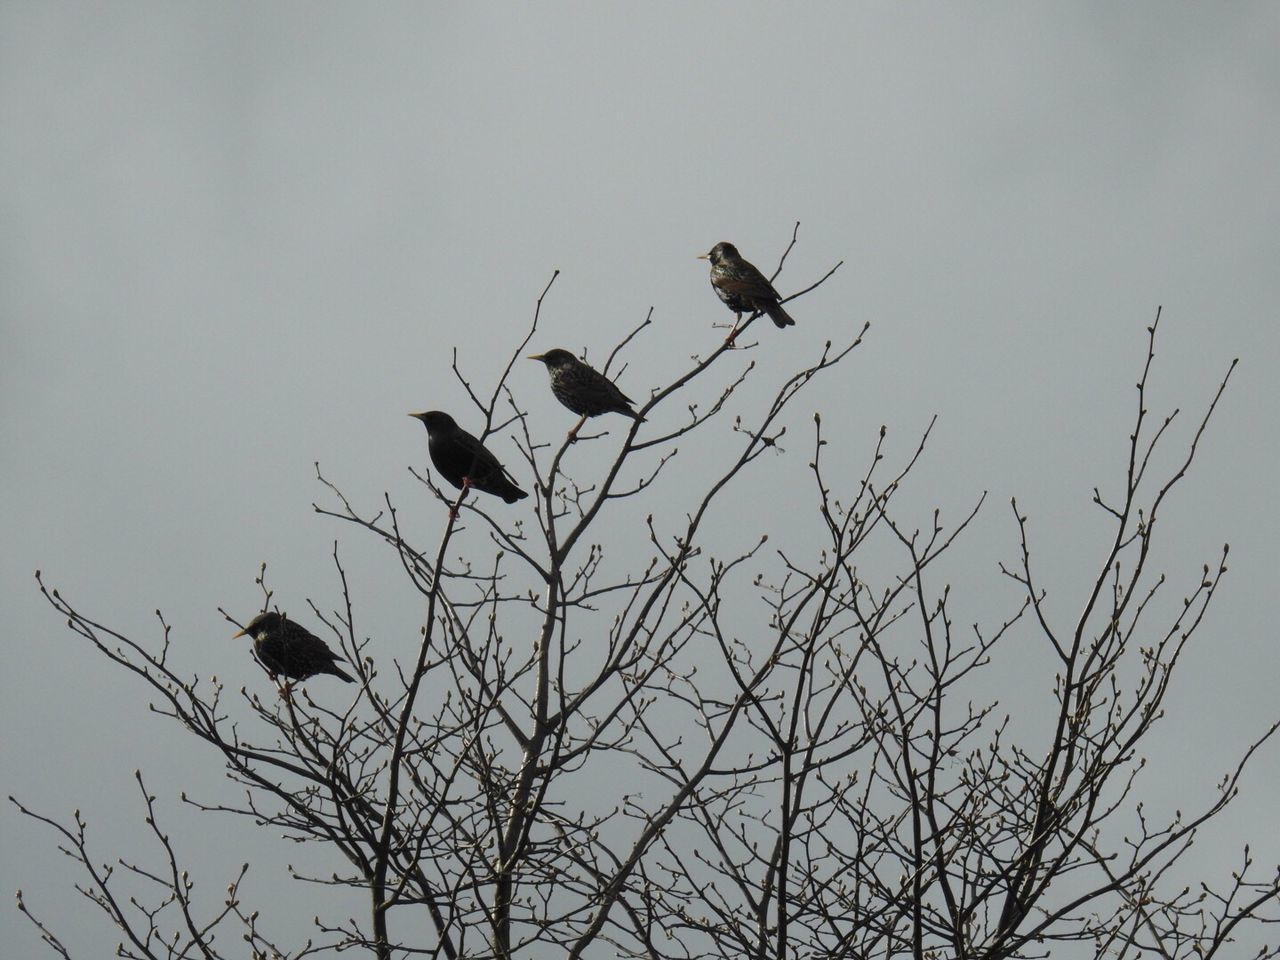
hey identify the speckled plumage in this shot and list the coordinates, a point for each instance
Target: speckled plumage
(741, 287)
(582, 388)
(459, 456)
(290, 650)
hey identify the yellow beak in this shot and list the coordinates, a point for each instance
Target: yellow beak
(536, 356)
(703, 256)
(242, 633)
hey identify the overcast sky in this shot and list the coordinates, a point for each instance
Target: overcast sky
(237, 238)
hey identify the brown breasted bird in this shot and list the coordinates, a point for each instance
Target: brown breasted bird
(290, 650)
(741, 287)
(582, 388)
(463, 460)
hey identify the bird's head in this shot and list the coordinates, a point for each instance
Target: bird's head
(721, 251)
(555, 358)
(265, 622)
(435, 420)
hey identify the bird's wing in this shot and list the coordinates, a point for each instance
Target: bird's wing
(746, 281)
(599, 382)
(302, 641)
(480, 455)
(618, 395)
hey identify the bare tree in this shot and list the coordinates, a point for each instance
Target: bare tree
(817, 784)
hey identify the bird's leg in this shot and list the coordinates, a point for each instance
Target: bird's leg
(286, 691)
(733, 331)
(573, 434)
(466, 485)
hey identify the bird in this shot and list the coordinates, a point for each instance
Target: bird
(291, 650)
(741, 287)
(463, 460)
(583, 389)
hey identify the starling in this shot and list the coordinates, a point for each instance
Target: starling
(290, 650)
(582, 388)
(743, 288)
(463, 460)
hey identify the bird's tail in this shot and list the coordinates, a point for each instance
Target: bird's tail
(779, 316)
(341, 674)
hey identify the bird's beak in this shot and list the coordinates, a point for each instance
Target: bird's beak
(536, 356)
(242, 633)
(417, 416)
(703, 256)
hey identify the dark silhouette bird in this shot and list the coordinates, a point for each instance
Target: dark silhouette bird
(290, 650)
(582, 388)
(741, 287)
(463, 460)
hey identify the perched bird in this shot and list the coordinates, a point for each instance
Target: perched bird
(463, 460)
(582, 388)
(290, 650)
(742, 287)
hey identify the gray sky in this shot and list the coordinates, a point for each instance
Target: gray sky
(239, 238)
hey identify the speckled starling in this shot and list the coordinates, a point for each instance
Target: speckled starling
(463, 460)
(741, 287)
(289, 650)
(582, 388)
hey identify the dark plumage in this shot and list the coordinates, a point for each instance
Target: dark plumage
(289, 650)
(582, 388)
(743, 288)
(461, 458)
